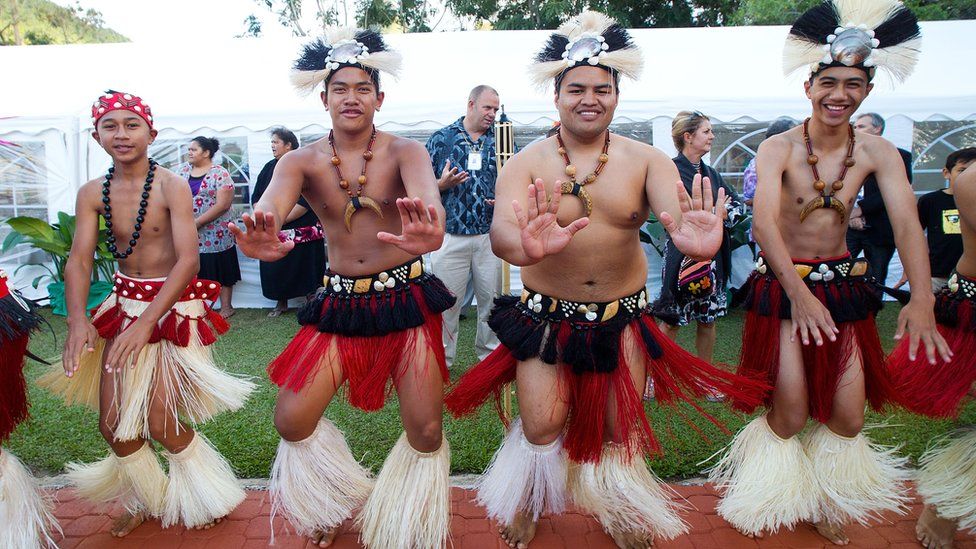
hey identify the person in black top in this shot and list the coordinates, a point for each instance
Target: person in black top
(870, 230)
(300, 272)
(940, 218)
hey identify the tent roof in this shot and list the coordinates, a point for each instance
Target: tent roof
(728, 72)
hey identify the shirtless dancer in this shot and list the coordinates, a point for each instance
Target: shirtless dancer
(810, 328)
(947, 480)
(143, 360)
(377, 319)
(26, 521)
(581, 341)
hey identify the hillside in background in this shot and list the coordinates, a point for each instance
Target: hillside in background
(35, 22)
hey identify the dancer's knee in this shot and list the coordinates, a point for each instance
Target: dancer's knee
(846, 423)
(427, 437)
(107, 430)
(787, 424)
(293, 427)
(541, 435)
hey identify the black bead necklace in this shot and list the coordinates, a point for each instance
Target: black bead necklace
(106, 199)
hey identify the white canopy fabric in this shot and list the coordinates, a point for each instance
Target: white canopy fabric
(241, 86)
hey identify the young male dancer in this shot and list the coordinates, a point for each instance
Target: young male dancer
(810, 328)
(143, 360)
(580, 341)
(947, 480)
(26, 521)
(377, 320)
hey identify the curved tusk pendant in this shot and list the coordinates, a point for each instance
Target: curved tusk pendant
(824, 202)
(577, 190)
(837, 206)
(357, 203)
(810, 206)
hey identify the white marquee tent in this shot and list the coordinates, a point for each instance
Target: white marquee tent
(239, 88)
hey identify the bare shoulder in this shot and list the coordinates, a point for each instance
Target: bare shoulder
(90, 193)
(404, 146)
(634, 149)
(874, 144)
(174, 187)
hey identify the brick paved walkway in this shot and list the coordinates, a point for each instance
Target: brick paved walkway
(248, 527)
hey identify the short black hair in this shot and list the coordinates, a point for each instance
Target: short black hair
(962, 155)
(209, 144)
(285, 135)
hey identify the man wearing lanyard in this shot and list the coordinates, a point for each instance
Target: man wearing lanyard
(463, 154)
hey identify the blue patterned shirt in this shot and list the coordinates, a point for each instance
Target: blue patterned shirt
(467, 211)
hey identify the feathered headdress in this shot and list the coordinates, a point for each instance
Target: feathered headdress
(342, 47)
(590, 38)
(868, 34)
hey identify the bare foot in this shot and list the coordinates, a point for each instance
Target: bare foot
(520, 532)
(276, 312)
(933, 531)
(760, 535)
(209, 525)
(324, 539)
(833, 532)
(126, 523)
(227, 312)
(633, 540)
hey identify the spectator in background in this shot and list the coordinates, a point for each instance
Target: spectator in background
(464, 156)
(300, 272)
(869, 229)
(940, 218)
(695, 292)
(749, 177)
(213, 196)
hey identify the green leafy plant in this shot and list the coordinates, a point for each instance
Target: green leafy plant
(56, 239)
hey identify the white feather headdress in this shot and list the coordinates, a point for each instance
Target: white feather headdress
(590, 38)
(868, 34)
(342, 47)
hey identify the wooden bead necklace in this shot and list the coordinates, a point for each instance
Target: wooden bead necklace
(575, 187)
(826, 198)
(356, 201)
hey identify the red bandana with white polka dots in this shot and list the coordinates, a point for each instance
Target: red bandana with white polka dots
(120, 101)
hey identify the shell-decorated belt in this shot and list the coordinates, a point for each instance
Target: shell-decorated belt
(822, 271)
(375, 283)
(553, 309)
(963, 285)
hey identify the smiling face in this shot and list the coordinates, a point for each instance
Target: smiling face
(836, 93)
(586, 100)
(352, 99)
(124, 135)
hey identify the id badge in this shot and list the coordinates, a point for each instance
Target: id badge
(474, 161)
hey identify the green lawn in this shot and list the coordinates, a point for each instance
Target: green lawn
(57, 434)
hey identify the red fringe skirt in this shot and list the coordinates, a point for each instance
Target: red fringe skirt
(175, 327)
(852, 298)
(371, 322)
(938, 389)
(587, 342)
(17, 319)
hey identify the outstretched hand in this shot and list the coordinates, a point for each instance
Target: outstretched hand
(261, 239)
(421, 231)
(541, 234)
(699, 233)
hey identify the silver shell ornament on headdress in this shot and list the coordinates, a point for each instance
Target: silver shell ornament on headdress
(587, 47)
(851, 46)
(343, 47)
(346, 52)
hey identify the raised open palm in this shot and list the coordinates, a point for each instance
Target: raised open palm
(699, 233)
(422, 231)
(541, 234)
(261, 239)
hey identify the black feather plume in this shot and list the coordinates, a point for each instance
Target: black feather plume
(900, 27)
(817, 23)
(313, 56)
